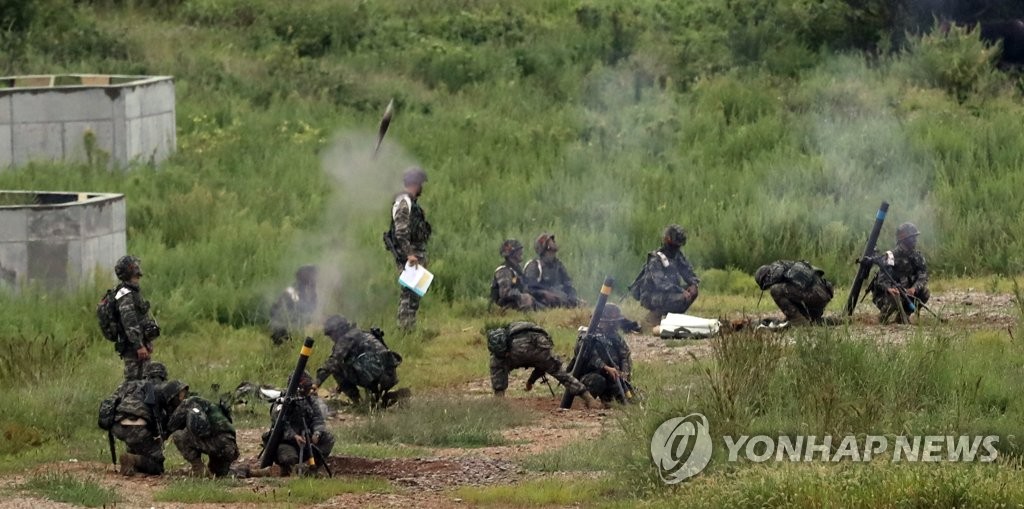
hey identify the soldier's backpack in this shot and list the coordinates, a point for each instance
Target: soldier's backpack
(197, 421)
(108, 317)
(541, 338)
(368, 368)
(108, 412)
(802, 274)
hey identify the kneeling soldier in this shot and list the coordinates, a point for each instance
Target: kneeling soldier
(304, 428)
(359, 359)
(199, 427)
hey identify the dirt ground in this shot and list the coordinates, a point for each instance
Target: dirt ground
(430, 481)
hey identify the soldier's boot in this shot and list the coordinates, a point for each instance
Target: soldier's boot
(499, 394)
(653, 318)
(591, 401)
(286, 470)
(129, 462)
(198, 468)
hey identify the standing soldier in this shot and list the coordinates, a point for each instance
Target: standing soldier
(508, 286)
(527, 345)
(304, 427)
(359, 359)
(295, 306)
(610, 359)
(798, 288)
(902, 279)
(200, 427)
(667, 283)
(546, 277)
(407, 239)
(137, 328)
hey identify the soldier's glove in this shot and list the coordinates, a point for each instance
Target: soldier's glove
(529, 386)
(377, 333)
(316, 437)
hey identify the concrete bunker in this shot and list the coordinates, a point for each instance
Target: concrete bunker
(114, 119)
(57, 240)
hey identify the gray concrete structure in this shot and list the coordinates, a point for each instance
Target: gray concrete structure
(58, 240)
(47, 117)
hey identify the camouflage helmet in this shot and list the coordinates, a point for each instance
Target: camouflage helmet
(905, 231)
(337, 325)
(611, 313)
(414, 176)
(509, 247)
(170, 389)
(675, 235)
(541, 245)
(155, 371)
(761, 276)
(306, 274)
(127, 266)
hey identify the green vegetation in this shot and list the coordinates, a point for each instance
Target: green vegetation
(544, 492)
(441, 422)
(770, 130)
(61, 487)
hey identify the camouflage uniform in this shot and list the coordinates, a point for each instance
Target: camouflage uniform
(529, 347)
(143, 411)
(508, 288)
(358, 359)
(798, 288)
(411, 231)
(609, 350)
(199, 427)
(294, 308)
(666, 276)
(305, 415)
(549, 282)
(138, 326)
(909, 270)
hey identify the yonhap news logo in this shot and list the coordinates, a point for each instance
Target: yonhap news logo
(681, 448)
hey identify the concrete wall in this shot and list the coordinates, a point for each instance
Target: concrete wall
(132, 119)
(59, 245)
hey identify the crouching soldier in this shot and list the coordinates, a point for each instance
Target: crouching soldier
(200, 427)
(527, 345)
(547, 278)
(304, 428)
(667, 283)
(610, 365)
(359, 359)
(137, 414)
(901, 284)
(798, 288)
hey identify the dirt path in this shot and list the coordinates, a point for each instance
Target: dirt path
(429, 481)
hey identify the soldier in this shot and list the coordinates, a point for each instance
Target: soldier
(295, 306)
(200, 427)
(508, 286)
(610, 359)
(155, 372)
(304, 427)
(798, 288)
(141, 412)
(667, 283)
(137, 328)
(407, 239)
(548, 281)
(902, 279)
(359, 359)
(527, 345)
